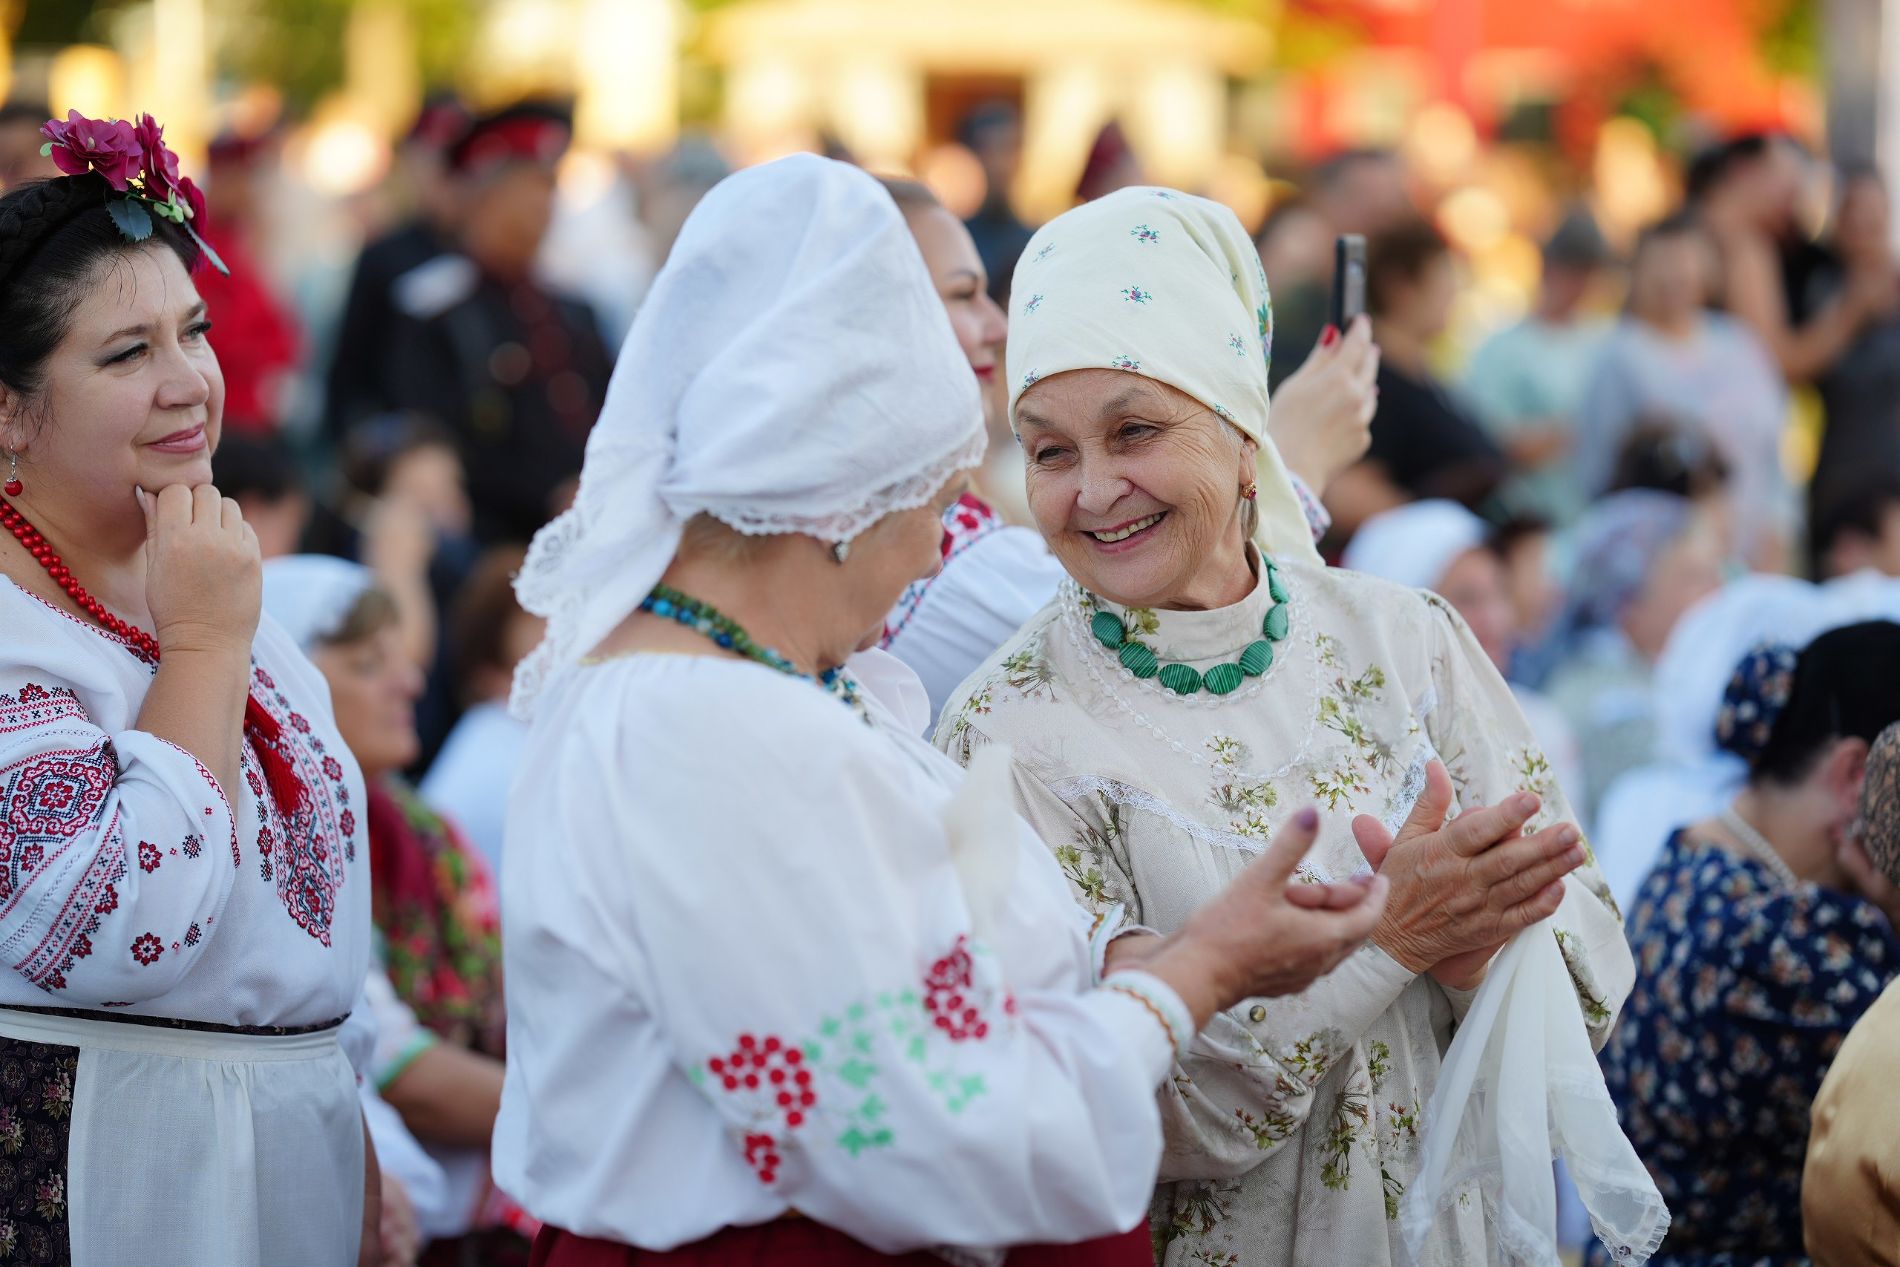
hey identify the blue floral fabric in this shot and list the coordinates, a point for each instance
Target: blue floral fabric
(1744, 992)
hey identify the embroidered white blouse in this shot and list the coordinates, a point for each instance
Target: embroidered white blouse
(1293, 1125)
(745, 976)
(129, 882)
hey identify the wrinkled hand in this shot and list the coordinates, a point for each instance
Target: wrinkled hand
(1269, 933)
(204, 580)
(1872, 885)
(1322, 415)
(1461, 890)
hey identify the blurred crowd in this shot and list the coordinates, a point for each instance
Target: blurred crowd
(1613, 491)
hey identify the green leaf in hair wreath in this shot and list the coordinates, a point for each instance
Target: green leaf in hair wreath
(210, 255)
(46, 150)
(131, 217)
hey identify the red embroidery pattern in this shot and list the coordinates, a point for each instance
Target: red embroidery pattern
(37, 705)
(967, 522)
(148, 856)
(770, 1076)
(947, 996)
(49, 801)
(306, 857)
(146, 948)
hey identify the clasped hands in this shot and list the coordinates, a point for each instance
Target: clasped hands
(1461, 890)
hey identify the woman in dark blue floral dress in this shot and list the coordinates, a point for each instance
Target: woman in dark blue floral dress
(1754, 957)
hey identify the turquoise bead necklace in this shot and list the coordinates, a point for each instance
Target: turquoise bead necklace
(1184, 679)
(690, 613)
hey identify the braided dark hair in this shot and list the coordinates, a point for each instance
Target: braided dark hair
(54, 237)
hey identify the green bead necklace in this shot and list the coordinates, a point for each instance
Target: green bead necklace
(1184, 679)
(688, 612)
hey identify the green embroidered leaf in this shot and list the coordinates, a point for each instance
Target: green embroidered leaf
(917, 1049)
(884, 1001)
(831, 1027)
(872, 1108)
(972, 1087)
(855, 1012)
(861, 1042)
(908, 998)
(857, 1072)
(814, 1053)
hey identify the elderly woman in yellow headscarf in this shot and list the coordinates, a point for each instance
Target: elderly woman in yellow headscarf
(1198, 679)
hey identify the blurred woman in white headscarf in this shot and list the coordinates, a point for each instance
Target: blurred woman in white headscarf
(783, 985)
(1440, 546)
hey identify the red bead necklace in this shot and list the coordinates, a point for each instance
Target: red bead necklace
(260, 728)
(47, 557)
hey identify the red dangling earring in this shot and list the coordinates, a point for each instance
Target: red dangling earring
(13, 487)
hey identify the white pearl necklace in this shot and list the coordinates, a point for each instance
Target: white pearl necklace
(1759, 846)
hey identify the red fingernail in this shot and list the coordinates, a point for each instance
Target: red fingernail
(1329, 337)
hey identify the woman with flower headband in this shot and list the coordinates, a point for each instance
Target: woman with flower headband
(184, 901)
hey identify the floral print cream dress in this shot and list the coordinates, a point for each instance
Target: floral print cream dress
(1293, 1127)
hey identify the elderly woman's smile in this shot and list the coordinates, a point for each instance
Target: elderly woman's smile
(1137, 488)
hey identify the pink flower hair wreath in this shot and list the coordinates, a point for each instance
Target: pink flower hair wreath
(134, 161)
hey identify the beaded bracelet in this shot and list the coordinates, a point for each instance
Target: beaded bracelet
(1162, 1003)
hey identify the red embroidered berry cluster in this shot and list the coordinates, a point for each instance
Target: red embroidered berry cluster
(946, 996)
(773, 1070)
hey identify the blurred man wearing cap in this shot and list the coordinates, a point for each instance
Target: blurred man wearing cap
(515, 372)
(1527, 381)
(360, 382)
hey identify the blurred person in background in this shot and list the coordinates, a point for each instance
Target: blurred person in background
(597, 247)
(489, 634)
(1641, 558)
(1670, 356)
(1361, 191)
(1691, 775)
(1425, 443)
(427, 201)
(1526, 382)
(259, 340)
(20, 142)
(1112, 164)
(996, 574)
(262, 475)
(1850, 1185)
(1860, 391)
(994, 133)
(672, 187)
(1525, 545)
(1757, 950)
(1859, 529)
(1295, 245)
(516, 373)
(438, 997)
(1440, 546)
(1746, 193)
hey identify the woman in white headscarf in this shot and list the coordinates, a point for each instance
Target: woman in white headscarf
(1198, 678)
(784, 986)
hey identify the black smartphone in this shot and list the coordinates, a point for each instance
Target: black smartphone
(1349, 279)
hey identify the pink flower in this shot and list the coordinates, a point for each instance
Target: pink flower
(159, 164)
(107, 146)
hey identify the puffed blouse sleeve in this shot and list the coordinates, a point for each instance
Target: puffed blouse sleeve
(791, 916)
(109, 838)
(1479, 731)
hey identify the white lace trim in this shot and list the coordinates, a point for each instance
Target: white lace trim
(563, 577)
(905, 493)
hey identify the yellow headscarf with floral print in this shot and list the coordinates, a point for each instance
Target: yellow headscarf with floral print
(1163, 284)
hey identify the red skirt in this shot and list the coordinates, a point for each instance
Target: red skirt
(802, 1243)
